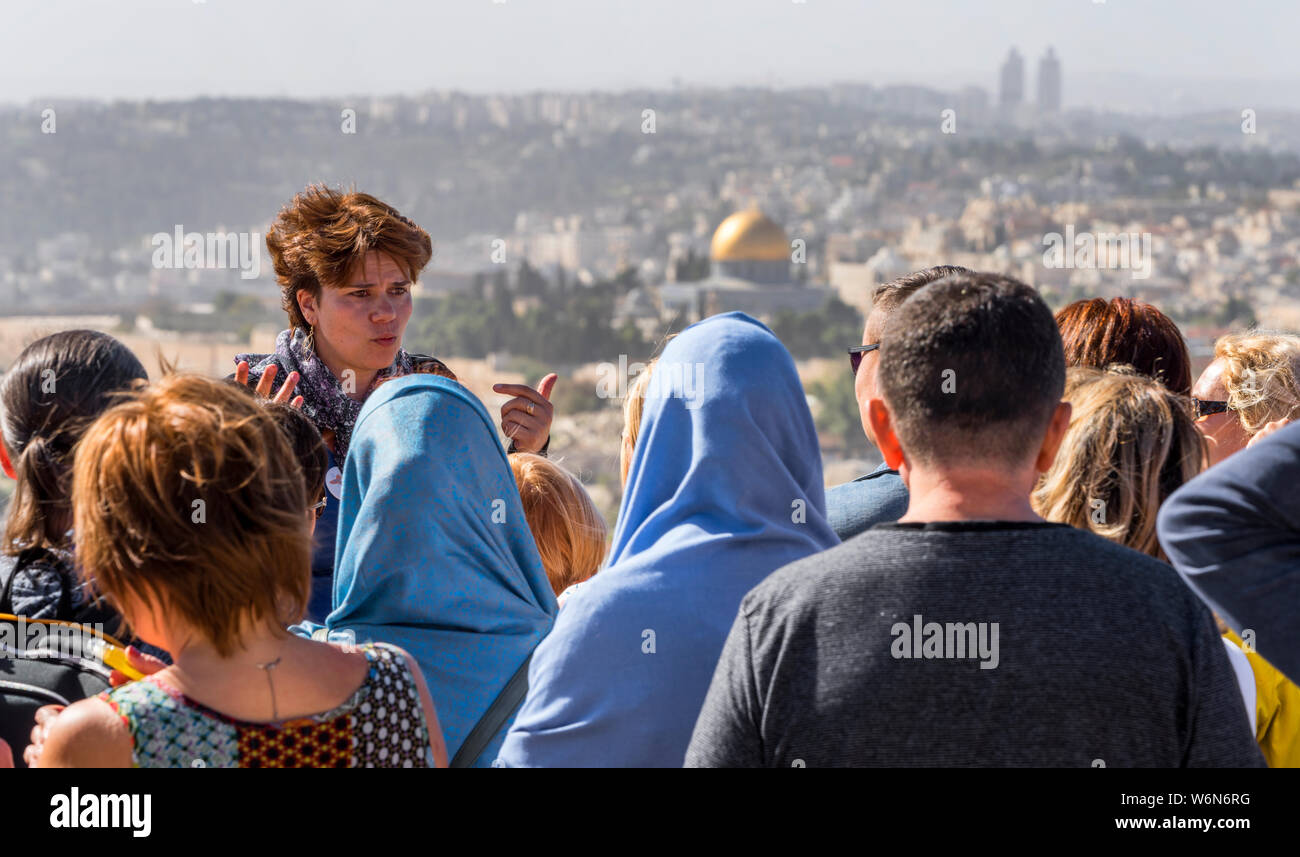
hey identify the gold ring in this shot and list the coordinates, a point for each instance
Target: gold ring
(530, 409)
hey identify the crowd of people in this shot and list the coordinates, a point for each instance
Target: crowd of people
(1072, 554)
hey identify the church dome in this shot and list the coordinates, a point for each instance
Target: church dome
(750, 236)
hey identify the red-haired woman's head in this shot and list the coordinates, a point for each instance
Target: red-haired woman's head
(1099, 333)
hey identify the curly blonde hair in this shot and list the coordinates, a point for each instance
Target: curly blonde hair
(1131, 443)
(1260, 370)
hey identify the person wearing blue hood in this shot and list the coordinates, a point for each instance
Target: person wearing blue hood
(724, 487)
(435, 556)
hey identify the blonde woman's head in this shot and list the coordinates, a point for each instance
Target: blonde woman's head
(1131, 443)
(1252, 381)
(569, 531)
(633, 406)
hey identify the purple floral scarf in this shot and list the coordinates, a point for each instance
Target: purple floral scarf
(324, 401)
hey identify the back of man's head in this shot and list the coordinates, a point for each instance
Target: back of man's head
(888, 296)
(972, 369)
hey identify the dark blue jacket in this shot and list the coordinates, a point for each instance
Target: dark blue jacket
(1234, 534)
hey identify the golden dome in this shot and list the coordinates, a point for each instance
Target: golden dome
(750, 236)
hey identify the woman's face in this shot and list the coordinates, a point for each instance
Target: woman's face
(1223, 432)
(360, 326)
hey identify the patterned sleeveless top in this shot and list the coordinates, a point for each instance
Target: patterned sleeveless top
(382, 725)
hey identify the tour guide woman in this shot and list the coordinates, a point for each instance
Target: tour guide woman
(345, 263)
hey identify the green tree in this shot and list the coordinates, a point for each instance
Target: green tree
(838, 415)
(825, 332)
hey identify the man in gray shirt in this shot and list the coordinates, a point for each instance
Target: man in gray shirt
(971, 632)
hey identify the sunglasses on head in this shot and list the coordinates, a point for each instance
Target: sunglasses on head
(1206, 408)
(856, 352)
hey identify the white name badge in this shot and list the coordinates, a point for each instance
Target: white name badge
(334, 482)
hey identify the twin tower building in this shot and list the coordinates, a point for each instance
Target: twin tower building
(1012, 91)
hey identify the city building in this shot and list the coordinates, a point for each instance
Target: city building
(750, 271)
(1012, 90)
(1049, 82)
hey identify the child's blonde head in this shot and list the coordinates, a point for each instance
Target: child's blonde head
(569, 532)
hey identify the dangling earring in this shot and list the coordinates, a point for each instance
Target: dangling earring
(310, 342)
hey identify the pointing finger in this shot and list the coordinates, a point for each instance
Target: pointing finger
(547, 384)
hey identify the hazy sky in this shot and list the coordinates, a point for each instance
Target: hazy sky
(181, 48)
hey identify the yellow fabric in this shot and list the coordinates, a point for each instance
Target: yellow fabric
(1277, 710)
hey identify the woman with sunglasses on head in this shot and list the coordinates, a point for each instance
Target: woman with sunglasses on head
(1253, 380)
(346, 263)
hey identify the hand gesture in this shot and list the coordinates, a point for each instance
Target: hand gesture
(526, 419)
(284, 394)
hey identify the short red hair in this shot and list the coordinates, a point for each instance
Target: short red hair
(188, 493)
(1099, 333)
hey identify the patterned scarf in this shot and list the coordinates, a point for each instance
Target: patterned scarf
(324, 401)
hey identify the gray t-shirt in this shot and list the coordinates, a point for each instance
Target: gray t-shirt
(974, 644)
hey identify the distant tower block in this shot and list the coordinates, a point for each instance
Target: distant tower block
(1013, 80)
(1049, 82)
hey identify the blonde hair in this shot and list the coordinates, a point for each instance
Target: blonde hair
(569, 532)
(1131, 443)
(633, 406)
(1260, 372)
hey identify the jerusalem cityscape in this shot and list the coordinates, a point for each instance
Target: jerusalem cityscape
(649, 210)
(784, 384)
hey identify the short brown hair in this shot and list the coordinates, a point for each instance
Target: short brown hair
(888, 296)
(323, 236)
(1098, 333)
(189, 496)
(1131, 443)
(569, 532)
(971, 368)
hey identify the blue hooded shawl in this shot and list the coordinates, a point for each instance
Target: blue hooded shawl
(434, 553)
(725, 487)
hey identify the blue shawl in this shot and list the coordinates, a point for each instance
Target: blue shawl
(434, 553)
(725, 487)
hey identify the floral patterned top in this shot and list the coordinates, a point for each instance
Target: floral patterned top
(382, 725)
